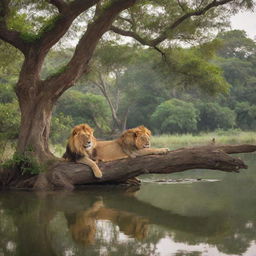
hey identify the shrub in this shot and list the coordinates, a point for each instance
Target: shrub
(212, 116)
(175, 116)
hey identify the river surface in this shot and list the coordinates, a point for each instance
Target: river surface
(195, 213)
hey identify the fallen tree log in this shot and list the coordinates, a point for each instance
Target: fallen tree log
(68, 175)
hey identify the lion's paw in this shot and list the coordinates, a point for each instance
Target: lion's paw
(164, 150)
(98, 175)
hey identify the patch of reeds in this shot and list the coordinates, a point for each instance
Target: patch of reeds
(173, 141)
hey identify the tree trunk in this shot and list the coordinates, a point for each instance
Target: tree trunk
(68, 175)
(35, 129)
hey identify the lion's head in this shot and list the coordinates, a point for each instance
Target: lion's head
(136, 138)
(82, 139)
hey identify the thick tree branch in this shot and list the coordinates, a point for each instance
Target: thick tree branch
(68, 12)
(10, 36)
(164, 35)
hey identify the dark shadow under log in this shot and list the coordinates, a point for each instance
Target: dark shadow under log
(67, 175)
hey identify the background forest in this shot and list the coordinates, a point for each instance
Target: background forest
(180, 90)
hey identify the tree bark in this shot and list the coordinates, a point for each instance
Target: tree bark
(68, 175)
(35, 129)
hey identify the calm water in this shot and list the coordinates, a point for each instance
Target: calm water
(212, 216)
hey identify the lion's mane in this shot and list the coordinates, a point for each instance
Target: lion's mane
(75, 148)
(129, 140)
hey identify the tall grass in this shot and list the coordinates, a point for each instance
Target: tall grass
(187, 140)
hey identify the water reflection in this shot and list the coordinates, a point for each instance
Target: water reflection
(84, 227)
(216, 218)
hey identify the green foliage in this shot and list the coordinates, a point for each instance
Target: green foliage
(25, 163)
(31, 22)
(85, 108)
(29, 37)
(58, 71)
(196, 71)
(246, 115)
(175, 116)
(18, 21)
(60, 128)
(236, 44)
(241, 74)
(10, 62)
(49, 24)
(213, 116)
(7, 94)
(55, 63)
(9, 120)
(113, 56)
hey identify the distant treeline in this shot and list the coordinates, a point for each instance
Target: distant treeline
(188, 90)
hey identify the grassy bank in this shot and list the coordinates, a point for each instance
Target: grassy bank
(187, 140)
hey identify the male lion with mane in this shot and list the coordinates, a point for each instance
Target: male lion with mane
(81, 144)
(133, 142)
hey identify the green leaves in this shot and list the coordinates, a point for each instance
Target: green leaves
(246, 115)
(197, 71)
(84, 108)
(9, 120)
(175, 116)
(235, 43)
(25, 163)
(213, 116)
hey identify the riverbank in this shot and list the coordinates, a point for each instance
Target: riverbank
(173, 141)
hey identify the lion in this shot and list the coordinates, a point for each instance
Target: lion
(132, 143)
(81, 144)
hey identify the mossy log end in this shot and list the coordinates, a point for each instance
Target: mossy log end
(68, 175)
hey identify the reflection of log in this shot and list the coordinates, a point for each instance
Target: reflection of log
(68, 175)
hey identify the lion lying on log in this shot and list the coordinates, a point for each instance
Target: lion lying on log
(133, 142)
(83, 147)
(81, 144)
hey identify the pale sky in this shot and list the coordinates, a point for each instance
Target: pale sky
(245, 21)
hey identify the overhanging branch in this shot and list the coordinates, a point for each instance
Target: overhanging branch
(164, 35)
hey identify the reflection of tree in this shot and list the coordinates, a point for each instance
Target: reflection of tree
(7, 234)
(35, 218)
(30, 215)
